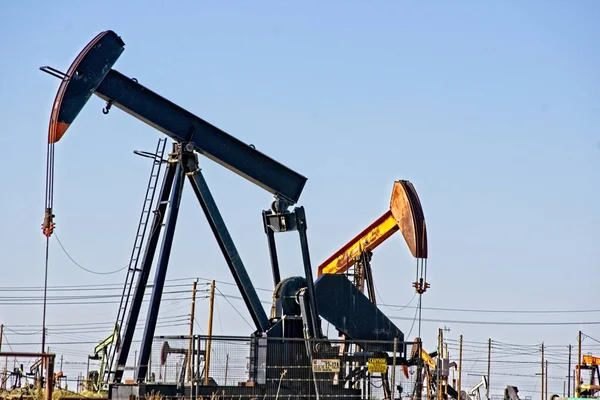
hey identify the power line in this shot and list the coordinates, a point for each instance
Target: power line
(117, 286)
(91, 327)
(76, 324)
(589, 337)
(236, 310)
(79, 303)
(519, 375)
(81, 297)
(475, 310)
(99, 286)
(498, 322)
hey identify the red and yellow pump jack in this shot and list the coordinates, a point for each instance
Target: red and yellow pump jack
(405, 215)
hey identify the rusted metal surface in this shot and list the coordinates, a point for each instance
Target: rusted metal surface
(405, 214)
(406, 209)
(49, 377)
(70, 99)
(26, 354)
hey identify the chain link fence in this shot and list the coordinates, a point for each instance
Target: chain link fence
(266, 368)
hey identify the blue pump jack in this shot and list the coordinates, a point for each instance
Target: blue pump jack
(92, 73)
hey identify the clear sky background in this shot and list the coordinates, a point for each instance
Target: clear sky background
(491, 109)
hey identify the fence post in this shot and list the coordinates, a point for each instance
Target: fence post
(460, 354)
(49, 376)
(394, 368)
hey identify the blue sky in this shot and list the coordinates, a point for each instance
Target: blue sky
(491, 109)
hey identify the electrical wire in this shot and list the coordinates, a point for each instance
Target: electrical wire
(400, 307)
(415, 318)
(499, 323)
(589, 337)
(81, 266)
(236, 310)
(84, 287)
(216, 303)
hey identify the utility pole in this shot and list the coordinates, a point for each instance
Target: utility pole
(61, 365)
(88, 384)
(445, 359)
(2, 383)
(5, 375)
(459, 364)
(542, 398)
(546, 378)
(569, 377)
(487, 390)
(192, 316)
(210, 321)
(440, 361)
(577, 367)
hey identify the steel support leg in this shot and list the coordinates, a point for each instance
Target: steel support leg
(368, 271)
(272, 249)
(310, 342)
(232, 257)
(310, 283)
(161, 273)
(140, 288)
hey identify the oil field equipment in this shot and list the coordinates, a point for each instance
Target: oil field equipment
(299, 302)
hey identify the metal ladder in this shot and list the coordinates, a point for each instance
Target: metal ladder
(133, 270)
